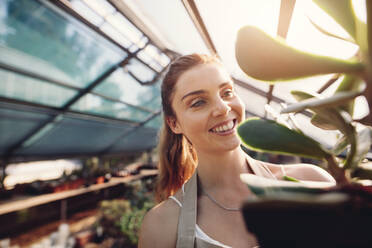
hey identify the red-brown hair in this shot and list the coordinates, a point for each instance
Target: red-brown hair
(177, 157)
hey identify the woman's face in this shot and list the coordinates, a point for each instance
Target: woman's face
(207, 108)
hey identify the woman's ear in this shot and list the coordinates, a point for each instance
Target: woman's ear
(173, 125)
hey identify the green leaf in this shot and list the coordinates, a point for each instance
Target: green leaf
(302, 95)
(322, 123)
(337, 99)
(322, 30)
(269, 136)
(341, 120)
(316, 119)
(267, 58)
(291, 179)
(361, 36)
(341, 11)
(369, 28)
(349, 83)
(363, 144)
(340, 145)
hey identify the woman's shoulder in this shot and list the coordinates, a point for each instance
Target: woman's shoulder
(306, 172)
(159, 226)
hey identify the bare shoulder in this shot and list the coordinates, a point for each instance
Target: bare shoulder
(159, 226)
(307, 172)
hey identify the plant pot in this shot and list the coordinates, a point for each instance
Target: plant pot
(340, 218)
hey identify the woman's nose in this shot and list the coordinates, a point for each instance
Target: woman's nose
(221, 108)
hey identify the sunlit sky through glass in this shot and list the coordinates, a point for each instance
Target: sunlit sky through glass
(224, 20)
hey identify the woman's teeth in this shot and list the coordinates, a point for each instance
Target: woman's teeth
(228, 126)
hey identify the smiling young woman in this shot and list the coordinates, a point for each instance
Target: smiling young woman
(200, 160)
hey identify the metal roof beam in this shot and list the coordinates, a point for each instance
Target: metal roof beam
(34, 107)
(196, 18)
(64, 5)
(285, 16)
(107, 149)
(126, 10)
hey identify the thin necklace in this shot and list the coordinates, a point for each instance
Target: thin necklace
(217, 203)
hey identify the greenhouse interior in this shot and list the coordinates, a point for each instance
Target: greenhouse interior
(81, 107)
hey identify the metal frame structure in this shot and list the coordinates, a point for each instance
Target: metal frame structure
(57, 112)
(286, 10)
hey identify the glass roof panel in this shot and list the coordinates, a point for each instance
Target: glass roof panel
(101, 6)
(16, 124)
(87, 12)
(180, 32)
(153, 57)
(139, 139)
(122, 86)
(55, 44)
(98, 105)
(155, 122)
(104, 15)
(76, 136)
(24, 88)
(118, 21)
(115, 35)
(140, 71)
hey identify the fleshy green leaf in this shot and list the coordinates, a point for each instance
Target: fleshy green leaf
(322, 30)
(335, 100)
(363, 144)
(349, 83)
(340, 145)
(267, 58)
(322, 123)
(361, 35)
(328, 115)
(302, 95)
(341, 11)
(339, 119)
(291, 179)
(269, 136)
(369, 25)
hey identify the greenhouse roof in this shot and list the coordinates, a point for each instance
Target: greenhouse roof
(82, 77)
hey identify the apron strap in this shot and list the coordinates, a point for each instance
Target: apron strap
(187, 217)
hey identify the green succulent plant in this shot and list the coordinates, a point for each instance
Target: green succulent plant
(271, 59)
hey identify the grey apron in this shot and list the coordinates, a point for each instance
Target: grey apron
(187, 218)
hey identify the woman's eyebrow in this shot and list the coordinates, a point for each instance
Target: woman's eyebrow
(197, 92)
(223, 84)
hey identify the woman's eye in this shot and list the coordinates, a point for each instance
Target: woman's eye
(197, 103)
(228, 93)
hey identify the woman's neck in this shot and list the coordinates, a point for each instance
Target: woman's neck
(223, 169)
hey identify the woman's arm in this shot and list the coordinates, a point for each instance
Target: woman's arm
(306, 172)
(159, 226)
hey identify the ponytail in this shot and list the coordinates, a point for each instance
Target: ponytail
(177, 162)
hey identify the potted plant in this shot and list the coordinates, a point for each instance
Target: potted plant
(300, 214)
